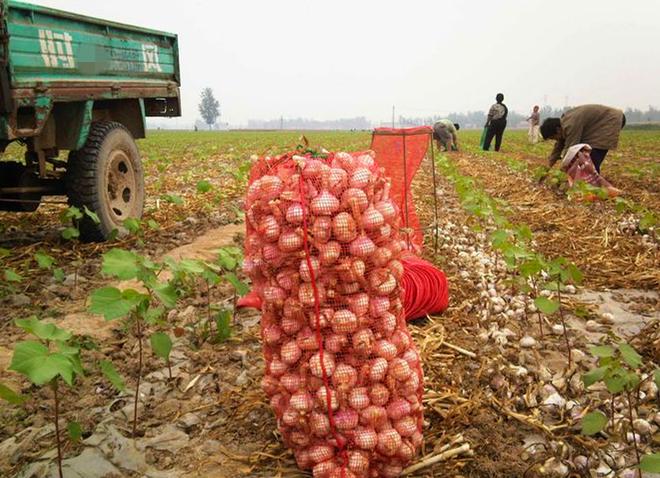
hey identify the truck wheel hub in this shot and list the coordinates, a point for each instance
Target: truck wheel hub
(121, 184)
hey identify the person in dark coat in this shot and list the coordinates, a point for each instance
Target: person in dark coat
(496, 123)
(596, 125)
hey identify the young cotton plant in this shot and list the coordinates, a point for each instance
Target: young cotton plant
(512, 243)
(137, 307)
(136, 227)
(555, 178)
(530, 271)
(584, 191)
(648, 220)
(9, 278)
(48, 263)
(189, 272)
(47, 361)
(618, 368)
(71, 217)
(561, 272)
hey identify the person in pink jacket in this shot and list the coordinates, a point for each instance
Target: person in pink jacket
(577, 164)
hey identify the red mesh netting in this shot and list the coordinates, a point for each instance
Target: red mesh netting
(342, 373)
(400, 152)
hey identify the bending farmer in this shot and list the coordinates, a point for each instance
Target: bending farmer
(446, 134)
(596, 125)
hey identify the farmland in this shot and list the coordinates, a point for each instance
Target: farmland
(504, 366)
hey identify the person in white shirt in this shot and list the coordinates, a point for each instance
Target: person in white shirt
(534, 121)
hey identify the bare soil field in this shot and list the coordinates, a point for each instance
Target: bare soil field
(501, 395)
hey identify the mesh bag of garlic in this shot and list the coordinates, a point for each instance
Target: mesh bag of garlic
(342, 373)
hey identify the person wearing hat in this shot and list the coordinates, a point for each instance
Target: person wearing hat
(578, 165)
(596, 125)
(446, 134)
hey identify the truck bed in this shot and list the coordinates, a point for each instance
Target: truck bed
(78, 57)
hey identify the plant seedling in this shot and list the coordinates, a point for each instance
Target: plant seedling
(223, 270)
(134, 306)
(71, 217)
(618, 370)
(561, 272)
(46, 361)
(161, 344)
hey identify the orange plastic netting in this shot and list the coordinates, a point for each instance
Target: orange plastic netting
(400, 151)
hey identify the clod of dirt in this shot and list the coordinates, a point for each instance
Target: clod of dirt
(19, 300)
(169, 438)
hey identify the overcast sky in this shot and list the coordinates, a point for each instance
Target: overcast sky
(346, 58)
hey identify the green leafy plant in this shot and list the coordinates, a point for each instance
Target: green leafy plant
(44, 261)
(189, 272)
(136, 227)
(513, 244)
(593, 423)
(71, 217)
(138, 308)
(47, 361)
(10, 395)
(530, 270)
(9, 278)
(623, 205)
(516, 165)
(618, 370)
(109, 371)
(561, 272)
(242, 172)
(203, 186)
(585, 191)
(75, 431)
(173, 199)
(648, 219)
(650, 463)
(47, 262)
(161, 344)
(223, 320)
(641, 171)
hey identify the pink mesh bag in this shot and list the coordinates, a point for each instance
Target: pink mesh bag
(342, 373)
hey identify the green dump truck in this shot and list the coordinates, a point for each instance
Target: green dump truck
(83, 85)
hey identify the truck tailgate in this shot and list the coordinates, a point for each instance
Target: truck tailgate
(60, 49)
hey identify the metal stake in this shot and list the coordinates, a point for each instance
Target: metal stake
(405, 188)
(435, 199)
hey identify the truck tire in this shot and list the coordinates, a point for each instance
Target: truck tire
(107, 177)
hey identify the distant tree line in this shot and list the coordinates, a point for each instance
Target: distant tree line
(652, 115)
(470, 119)
(359, 122)
(476, 119)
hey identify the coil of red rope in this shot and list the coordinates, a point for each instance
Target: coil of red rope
(426, 290)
